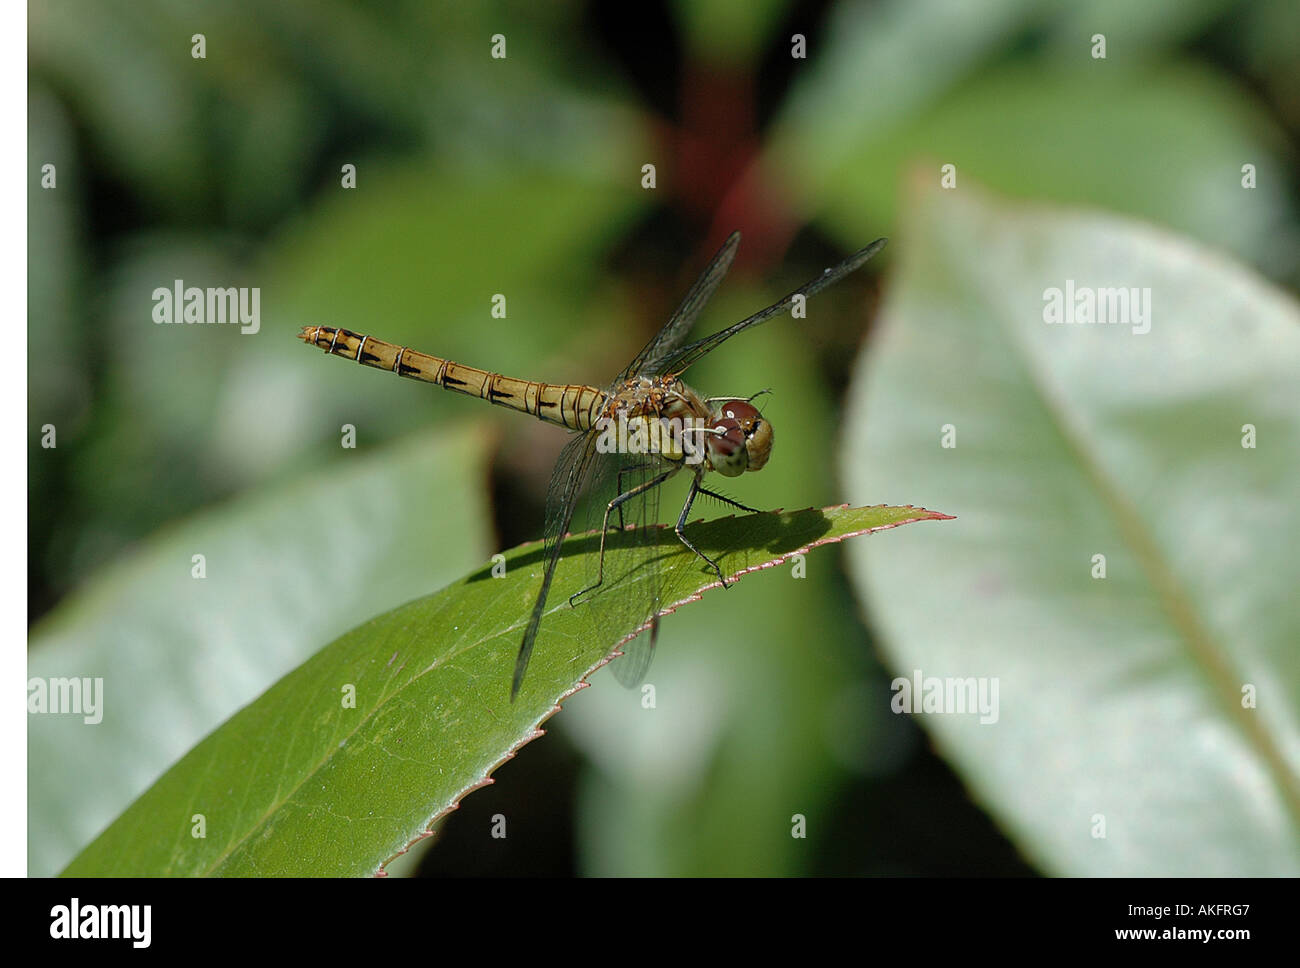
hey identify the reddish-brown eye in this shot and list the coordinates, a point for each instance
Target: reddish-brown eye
(746, 441)
(741, 411)
(727, 453)
(730, 440)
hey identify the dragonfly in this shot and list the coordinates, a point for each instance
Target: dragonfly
(647, 404)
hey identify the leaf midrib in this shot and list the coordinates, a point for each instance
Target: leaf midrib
(1205, 650)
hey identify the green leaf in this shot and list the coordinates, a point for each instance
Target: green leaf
(285, 569)
(1124, 700)
(302, 782)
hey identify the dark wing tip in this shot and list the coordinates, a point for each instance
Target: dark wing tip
(867, 252)
(521, 665)
(521, 660)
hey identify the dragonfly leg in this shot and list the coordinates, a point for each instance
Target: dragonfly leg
(726, 500)
(626, 470)
(681, 530)
(604, 528)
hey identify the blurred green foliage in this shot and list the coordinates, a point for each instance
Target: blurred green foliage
(522, 176)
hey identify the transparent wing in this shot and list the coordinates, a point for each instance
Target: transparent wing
(652, 355)
(677, 362)
(571, 471)
(630, 591)
(632, 585)
(632, 668)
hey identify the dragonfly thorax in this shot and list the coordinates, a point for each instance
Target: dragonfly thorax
(731, 436)
(740, 438)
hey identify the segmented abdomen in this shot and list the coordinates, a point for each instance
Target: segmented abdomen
(573, 406)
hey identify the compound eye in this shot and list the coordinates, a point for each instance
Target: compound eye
(741, 411)
(757, 431)
(730, 440)
(727, 452)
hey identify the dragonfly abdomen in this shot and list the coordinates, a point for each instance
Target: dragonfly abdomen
(573, 406)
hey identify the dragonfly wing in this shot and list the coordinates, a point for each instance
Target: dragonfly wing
(679, 324)
(632, 668)
(683, 358)
(631, 578)
(571, 471)
(630, 587)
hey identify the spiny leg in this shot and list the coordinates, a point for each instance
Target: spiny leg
(727, 500)
(680, 529)
(604, 528)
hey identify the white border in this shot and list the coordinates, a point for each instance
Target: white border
(15, 177)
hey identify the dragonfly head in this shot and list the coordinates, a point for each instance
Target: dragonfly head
(742, 440)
